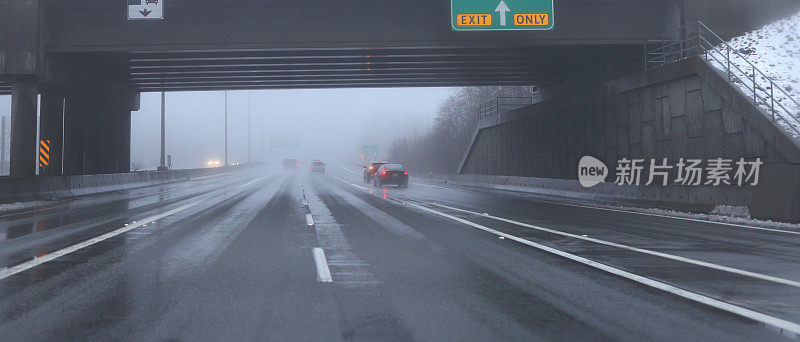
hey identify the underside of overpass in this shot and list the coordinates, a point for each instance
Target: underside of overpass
(328, 68)
(89, 63)
(249, 44)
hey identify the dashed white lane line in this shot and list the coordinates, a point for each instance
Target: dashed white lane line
(323, 272)
(309, 220)
(635, 249)
(7, 272)
(738, 310)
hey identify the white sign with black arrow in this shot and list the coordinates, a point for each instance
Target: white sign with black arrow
(145, 9)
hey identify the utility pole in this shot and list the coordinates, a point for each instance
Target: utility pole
(2, 144)
(226, 128)
(248, 127)
(262, 136)
(163, 166)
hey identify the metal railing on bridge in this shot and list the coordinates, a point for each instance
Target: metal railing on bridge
(702, 41)
(502, 104)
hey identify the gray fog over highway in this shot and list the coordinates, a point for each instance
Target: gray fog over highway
(382, 170)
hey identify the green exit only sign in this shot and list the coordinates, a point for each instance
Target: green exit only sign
(491, 15)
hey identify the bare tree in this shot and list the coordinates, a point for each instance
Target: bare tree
(136, 165)
(441, 149)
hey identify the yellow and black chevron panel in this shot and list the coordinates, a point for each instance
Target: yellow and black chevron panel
(44, 153)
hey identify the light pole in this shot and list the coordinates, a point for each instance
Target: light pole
(427, 115)
(226, 128)
(248, 126)
(163, 166)
(262, 136)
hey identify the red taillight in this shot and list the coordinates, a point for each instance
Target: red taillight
(371, 168)
(405, 173)
(384, 172)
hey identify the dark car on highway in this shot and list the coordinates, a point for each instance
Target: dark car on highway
(290, 164)
(317, 166)
(371, 170)
(391, 174)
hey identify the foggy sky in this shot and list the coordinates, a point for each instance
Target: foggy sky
(329, 123)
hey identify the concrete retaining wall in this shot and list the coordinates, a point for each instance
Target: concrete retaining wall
(683, 110)
(44, 188)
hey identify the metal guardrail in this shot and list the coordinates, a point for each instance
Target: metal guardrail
(502, 104)
(669, 47)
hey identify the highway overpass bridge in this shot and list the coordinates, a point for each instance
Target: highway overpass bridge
(89, 62)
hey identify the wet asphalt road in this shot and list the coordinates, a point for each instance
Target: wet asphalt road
(231, 257)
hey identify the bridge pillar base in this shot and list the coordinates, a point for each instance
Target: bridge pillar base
(97, 133)
(51, 121)
(23, 129)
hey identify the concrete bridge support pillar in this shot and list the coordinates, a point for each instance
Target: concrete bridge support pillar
(123, 141)
(51, 120)
(74, 112)
(97, 132)
(23, 129)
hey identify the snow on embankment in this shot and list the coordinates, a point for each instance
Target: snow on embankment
(775, 50)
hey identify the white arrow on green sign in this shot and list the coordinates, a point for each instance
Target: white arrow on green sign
(501, 15)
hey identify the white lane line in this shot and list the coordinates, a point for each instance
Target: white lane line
(738, 310)
(355, 185)
(323, 272)
(7, 272)
(635, 249)
(305, 203)
(348, 170)
(248, 183)
(433, 186)
(36, 261)
(309, 220)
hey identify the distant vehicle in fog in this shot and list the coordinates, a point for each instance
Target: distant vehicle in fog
(391, 174)
(371, 170)
(290, 164)
(317, 166)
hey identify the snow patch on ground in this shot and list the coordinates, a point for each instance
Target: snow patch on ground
(775, 50)
(5, 208)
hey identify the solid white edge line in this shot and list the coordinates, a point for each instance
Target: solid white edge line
(747, 313)
(309, 220)
(248, 183)
(355, 185)
(776, 230)
(323, 272)
(433, 186)
(36, 261)
(348, 170)
(738, 310)
(636, 249)
(7, 272)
